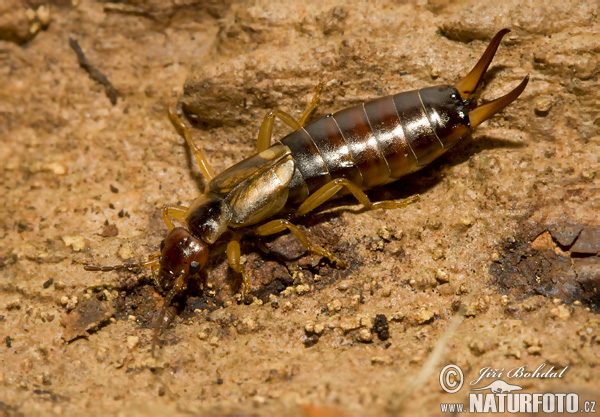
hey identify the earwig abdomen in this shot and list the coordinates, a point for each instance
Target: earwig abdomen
(377, 142)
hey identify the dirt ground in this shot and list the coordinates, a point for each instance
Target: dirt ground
(497, 266)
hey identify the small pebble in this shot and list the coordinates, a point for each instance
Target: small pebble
(365, 336)
(311, 340)
(561, 312)
(587, 174)
(204, 333)
(466, 221)
(56, 168)
(48, 317)
(302, 289)
(334, 306)
(442, 275)
(382, 360)
(350, 324)
(69, 303)
(424, 316)
(44, 378)
(381, 327)
(75, 242)
(125, 252)
(309, 327)
(366, 321)
(132, 342)
(13, 304)
(247, 325)
(543, 105)
(43, 15)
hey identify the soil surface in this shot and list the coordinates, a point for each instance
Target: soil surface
(496, 266)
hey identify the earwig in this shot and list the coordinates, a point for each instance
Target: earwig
(355, 149)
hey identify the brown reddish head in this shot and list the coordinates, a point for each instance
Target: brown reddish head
(182, 255)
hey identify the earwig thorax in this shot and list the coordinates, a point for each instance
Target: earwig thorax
(208, 217)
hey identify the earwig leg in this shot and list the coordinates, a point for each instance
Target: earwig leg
(233, 257)
(266, 128)
(173, 212)
(330, 189)
(313, 103)
(276, 226)
(185, 131)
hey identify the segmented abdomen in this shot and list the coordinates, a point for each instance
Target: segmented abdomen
(370, 144)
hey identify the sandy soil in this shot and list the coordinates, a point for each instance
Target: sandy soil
(497, 265)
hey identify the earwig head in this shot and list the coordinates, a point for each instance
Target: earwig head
(182, 255)
(468, 85)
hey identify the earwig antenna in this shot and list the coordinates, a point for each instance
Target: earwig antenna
(147, 264)
(161, 319)
(179, 284)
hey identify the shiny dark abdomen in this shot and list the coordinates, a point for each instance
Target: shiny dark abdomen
(370, 144)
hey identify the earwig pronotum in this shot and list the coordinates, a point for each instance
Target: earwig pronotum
(354, 149)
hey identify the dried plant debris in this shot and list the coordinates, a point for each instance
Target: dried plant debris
(87, 317)
(95, 74)
(561, 262)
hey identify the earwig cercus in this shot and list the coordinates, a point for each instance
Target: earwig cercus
(354, 149)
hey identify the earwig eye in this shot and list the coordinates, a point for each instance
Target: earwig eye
(162, 245)
(194, 267)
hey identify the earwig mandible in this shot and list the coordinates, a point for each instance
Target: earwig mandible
(355, 149)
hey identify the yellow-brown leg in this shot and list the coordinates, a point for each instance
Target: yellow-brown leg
(279, 225)
(185, 131)
(170, 212)
(266, 128)
(233, 257)
(330, 189)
